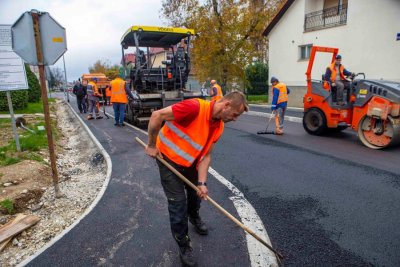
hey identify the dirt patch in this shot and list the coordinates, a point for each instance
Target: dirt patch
(81, 170)
(24, 181)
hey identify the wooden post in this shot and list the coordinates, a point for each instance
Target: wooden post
(36, 30)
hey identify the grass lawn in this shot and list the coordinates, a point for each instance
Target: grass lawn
(30, 109)
(257, 99)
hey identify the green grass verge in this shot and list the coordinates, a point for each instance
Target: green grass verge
(31, 108)
(257, 99)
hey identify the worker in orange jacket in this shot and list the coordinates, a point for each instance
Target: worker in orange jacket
(279, 103)
(119, 98)
(215, 91)
(186, 140)
(335, 75)
(93, 94)
(108, 96)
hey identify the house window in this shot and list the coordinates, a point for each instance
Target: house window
(305, 51)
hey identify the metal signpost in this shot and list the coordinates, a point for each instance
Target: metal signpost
(41, 41)
(12, 73)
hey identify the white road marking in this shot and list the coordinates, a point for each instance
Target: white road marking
(259, 254)
(268, 115)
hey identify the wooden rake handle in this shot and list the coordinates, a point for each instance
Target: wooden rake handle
(215, 204)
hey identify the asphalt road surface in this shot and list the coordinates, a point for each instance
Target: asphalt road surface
(324, 201)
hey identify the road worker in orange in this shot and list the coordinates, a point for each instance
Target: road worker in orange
(186, 140)
(93, 94)
(120, 92)
(108, 96)
(335, 78)
(279, 103)
(215, 91)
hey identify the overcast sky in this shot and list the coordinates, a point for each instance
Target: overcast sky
(94, 28)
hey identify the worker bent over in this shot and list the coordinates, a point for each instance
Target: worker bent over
(93, 94)
(185, 141)
(279, 103)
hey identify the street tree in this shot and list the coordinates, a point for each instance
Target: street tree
(105, 67)
(229, 34)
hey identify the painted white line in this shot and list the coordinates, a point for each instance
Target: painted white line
(95, 201)
(259, 254)
(268, 115)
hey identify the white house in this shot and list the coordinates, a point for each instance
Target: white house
(367, 33)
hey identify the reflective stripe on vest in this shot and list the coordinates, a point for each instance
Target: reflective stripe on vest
(118, 94)
(184, 144)
(219, 93)
(92, 89)
(283, 96)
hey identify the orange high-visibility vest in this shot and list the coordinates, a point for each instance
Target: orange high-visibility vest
(184, 144)
(108, 91)
(333, 74)
(118, 94)
(219, 93)
(283, 95)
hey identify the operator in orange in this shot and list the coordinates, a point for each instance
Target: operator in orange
(186, 140)
(108, 96)
(120, 92)
(93, 94)
(216, 91)
(279, 103)
(336, 75)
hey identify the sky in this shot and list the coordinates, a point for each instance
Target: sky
(93, 28)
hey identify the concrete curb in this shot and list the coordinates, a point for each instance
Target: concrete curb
(95, 201)
(269, 106)
(269, 115)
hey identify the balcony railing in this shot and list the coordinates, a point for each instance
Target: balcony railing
(330, 17)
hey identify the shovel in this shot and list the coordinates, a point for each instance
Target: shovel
(266, 129)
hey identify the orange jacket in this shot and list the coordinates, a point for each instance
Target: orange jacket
(283, 95)
(108, 91)
(219, 94)
(118, 94)
(333, 74)
(184, 144)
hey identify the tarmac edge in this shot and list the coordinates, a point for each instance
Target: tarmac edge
(95, 201)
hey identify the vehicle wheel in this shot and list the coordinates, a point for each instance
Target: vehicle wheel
(314, 122)
(377, 133)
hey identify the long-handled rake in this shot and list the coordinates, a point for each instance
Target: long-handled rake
(215, 204)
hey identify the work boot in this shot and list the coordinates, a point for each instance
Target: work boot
(90, 117)
(99, 117)
(278, 131)
(186, 252)
(199, 225)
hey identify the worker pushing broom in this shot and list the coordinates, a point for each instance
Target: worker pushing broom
(278, 106)
(182, 147)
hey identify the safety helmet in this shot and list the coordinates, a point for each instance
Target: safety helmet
(95, 79)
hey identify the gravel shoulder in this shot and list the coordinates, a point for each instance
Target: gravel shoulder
(82, 172)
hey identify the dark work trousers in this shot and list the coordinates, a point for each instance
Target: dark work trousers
(81, 103)
(180, 205)
(119, 112)
(339, 89)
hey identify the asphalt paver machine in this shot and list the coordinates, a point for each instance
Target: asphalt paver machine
(158, 69)
(372, 108)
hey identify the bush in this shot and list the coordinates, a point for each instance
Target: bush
(257, 79)
(19, 99)
(34, 90)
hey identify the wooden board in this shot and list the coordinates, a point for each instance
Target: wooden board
(16, 219)
(16, 227)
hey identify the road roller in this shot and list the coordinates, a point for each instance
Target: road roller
(371, 107)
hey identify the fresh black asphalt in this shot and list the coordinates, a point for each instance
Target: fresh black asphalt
(130, 225)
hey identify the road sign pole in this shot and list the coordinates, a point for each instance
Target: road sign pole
(36, 30)
(66, 83)
(14, 127)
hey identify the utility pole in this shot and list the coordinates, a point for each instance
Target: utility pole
(66, 83)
